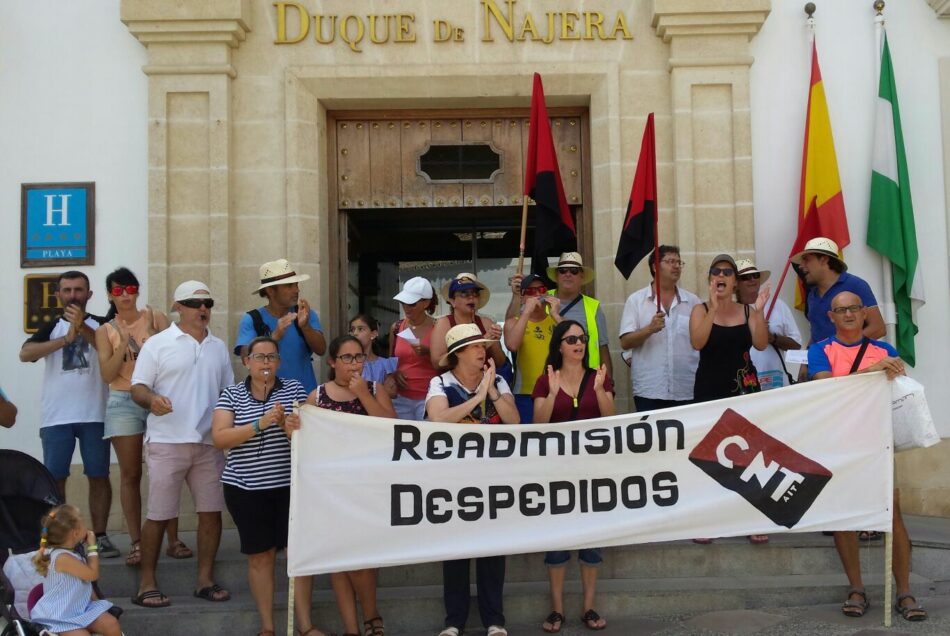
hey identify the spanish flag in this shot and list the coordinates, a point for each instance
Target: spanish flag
(821, 204)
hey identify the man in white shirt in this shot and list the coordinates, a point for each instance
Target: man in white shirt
(178, 376)
(663, 362)
(74, 399)
(783, 332)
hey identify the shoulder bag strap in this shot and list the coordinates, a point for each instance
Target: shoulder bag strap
(859, 357)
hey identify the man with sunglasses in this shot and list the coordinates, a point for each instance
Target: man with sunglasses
(179, 374)
(783, 332)
(849, 351)
(529, 335)
(74, 398)
(571, 276)
(663, 362)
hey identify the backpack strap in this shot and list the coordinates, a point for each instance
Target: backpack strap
(260, 327)
(860, 356)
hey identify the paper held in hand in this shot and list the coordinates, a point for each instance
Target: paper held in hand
(407, 335)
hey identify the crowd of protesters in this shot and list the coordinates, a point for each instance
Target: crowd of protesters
(139, 381)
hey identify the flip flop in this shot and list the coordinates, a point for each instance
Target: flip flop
(208, 593)
(135, 555)
(758, 539)
(179, 550)
(141, 599)
(554, 619)
(590, 619)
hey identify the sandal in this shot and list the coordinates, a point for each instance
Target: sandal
(913, 612)
(374, 627)
(214, 593)
(145, 599)
(869, 535)
(179, 550)
(591, 620)
(855, 609)
(552, 624)
(135, 555)
(758, 539)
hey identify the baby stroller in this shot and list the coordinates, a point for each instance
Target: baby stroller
(27, 491)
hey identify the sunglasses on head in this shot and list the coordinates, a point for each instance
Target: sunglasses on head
(752, 276)
(721, 271)
(569, 270)
(196, 303)
(117, 290)
(573, 340)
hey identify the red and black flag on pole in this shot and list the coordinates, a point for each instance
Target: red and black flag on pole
(639, 235)
(554, 230)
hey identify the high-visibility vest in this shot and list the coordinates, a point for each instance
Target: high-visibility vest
(590, 315)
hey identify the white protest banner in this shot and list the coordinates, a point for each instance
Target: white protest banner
(370, 492)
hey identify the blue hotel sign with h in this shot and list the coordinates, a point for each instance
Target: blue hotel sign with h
(57, 225)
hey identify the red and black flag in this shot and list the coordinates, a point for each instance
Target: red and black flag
(639, 234)
(554, 230)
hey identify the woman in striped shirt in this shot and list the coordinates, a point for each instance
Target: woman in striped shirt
(249, 421)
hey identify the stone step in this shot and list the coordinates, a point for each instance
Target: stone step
(786, 554)
(418, 609)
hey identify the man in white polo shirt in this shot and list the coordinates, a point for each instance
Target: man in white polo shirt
(178, 376)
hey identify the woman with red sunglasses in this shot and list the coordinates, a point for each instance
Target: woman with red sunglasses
(118, 342)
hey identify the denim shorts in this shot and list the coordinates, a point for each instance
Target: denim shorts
(59, 442)
(123, 415)
(587, 556)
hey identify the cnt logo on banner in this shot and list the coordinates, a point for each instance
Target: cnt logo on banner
(370, 492)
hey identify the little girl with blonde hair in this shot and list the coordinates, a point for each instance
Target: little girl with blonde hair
(68, 605)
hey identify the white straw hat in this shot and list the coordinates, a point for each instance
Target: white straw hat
(279, 272)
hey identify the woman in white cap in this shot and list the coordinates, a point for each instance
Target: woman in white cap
(470, 392)
(466, 295)
(409, 342)
(723, 331)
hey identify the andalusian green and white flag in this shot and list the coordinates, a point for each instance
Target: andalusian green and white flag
(891, 219)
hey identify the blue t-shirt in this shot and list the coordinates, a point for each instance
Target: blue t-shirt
(819, 306)
(377, 370)
(294, 354)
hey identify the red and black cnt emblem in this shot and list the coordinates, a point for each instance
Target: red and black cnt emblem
(778, 480)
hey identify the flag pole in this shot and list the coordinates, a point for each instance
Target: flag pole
(889, 315)
(888, 307)
(524, 231)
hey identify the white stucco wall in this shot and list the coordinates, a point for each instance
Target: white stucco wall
(846, 51)
(72, 108)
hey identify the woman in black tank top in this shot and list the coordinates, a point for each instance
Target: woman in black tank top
(723, 331)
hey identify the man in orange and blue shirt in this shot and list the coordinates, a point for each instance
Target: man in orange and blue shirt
(834, 357)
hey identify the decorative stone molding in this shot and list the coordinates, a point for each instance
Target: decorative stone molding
(942, 7)
(189, 68)
(712, 134)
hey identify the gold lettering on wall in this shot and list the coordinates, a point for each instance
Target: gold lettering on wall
(499, 17)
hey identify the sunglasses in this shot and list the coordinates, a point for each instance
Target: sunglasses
(574, 271)
(131, 290)
(753, 276)
(535, 291)
(468, 293)
(261, 357)
(573, 340)
(350, 358)
(721, 271)
(196, 303)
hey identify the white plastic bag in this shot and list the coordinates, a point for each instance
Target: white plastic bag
(913, 425)
(24, 577)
